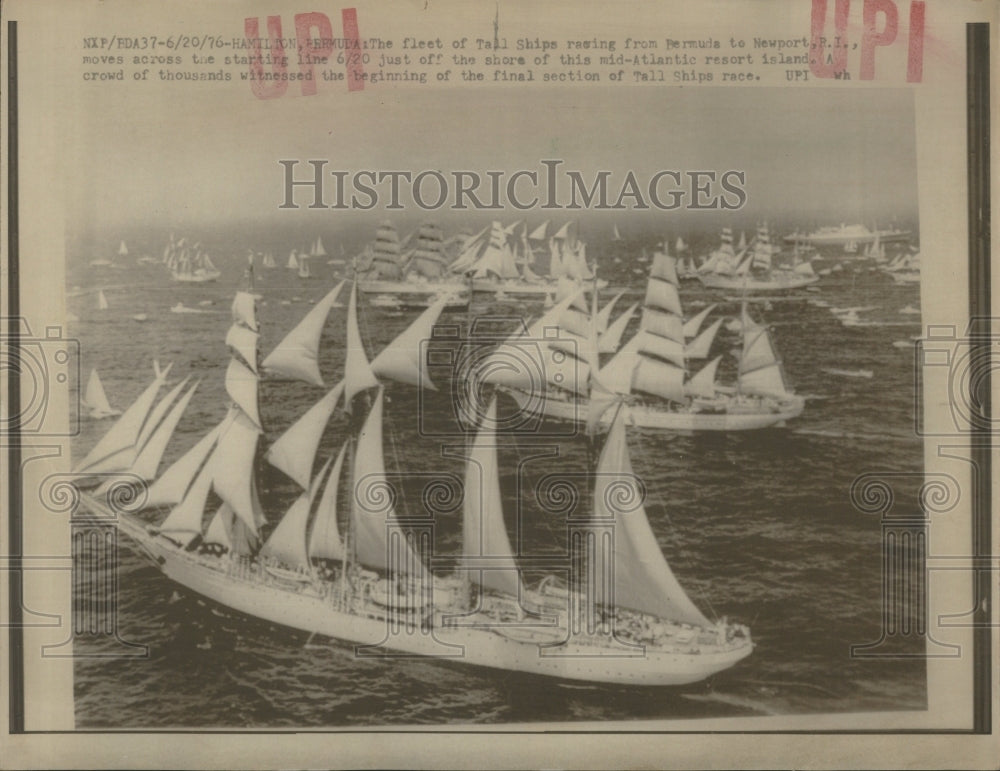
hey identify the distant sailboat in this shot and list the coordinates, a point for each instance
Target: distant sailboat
(102, 301)
(617, 234)
(189, 264)
(268, 261)
(95, 400)
(293, 260)
(304, 270)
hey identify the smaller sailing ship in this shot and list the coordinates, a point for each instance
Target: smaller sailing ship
(102, 301)
(499, 261)
(567, 380)
(112, 263)
(904, 268)
(189, 264)
(95, 400)
(753, 268)
(417, 278)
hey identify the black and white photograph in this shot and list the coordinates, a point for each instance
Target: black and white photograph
(606, 393)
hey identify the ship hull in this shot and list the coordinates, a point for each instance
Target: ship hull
(644, 416)
(521, 288)
(838, 238)
(417, 294)
(716, 281)
(200, 277)
(523, 648)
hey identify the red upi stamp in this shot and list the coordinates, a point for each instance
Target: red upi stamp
(829, 48)
(272, 68)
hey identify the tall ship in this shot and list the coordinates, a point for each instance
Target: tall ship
(755, 268)
(338, 561)
(189, 263)
(502, 261)
(418, 277)
(563, 376)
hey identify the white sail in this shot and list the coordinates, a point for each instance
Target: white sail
(155, 416)
(245, 310)
(557, 268)
(470, 252)
(485, 545)
(171, 487)
(401, 359)
(643, 580)
(603, 316)
(220, 527)
(538, 234)
(293, 260)
(96, 400)
(660, 379)
(288, 541)
(373, 517)
(244, 342)
(565, 231)
(530, 367)
(102, 301)
(295, 450)
(324, 540)
(304, 271)
(241, 385)
(617, 234)
(700, 346)
(318, 250)
(616, 376)
(232, 464)
(297, 355)
(611, 338)
(663, 295)
(652, 344)
(693, 324)
(703, 382)
(184, 522)
(679, 245)
(497, 259)
(358, 375)
(114, 451)
(147, 462)
(122, 249)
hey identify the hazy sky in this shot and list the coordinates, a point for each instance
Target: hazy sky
(829, 154)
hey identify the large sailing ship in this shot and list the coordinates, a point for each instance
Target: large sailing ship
(622, 618)
(416, 278)
(499, 261)
(561, 375)
(755, 269)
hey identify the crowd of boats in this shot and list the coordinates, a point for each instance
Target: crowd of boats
(522, 262)
(338, 560)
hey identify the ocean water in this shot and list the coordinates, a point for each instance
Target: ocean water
(758, 527)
